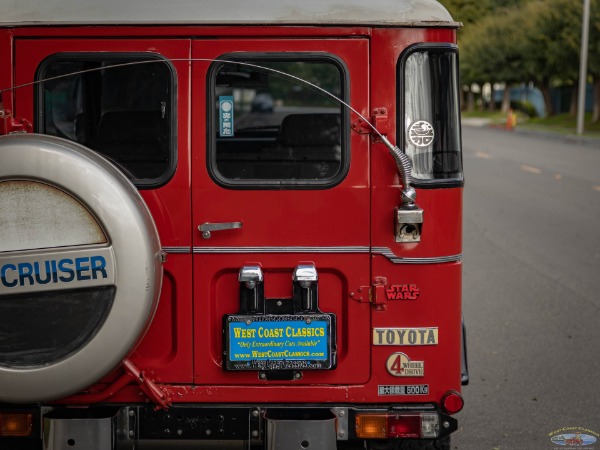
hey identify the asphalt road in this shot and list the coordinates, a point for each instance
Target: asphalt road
(531, 289)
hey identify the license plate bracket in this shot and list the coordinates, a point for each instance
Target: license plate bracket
(271, 342)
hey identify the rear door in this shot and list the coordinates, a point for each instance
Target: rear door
(279, 183)
(128, 100)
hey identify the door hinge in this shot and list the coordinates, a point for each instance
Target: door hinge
(378, 120)
(12, 125)
(378, 294)
(374, 294)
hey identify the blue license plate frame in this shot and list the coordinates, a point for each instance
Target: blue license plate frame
(279, 342)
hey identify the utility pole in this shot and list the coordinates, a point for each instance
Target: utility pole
(585, 31)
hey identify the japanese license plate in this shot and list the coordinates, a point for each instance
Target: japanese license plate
(278, 342)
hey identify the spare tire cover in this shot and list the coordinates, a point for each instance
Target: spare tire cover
(80, 267)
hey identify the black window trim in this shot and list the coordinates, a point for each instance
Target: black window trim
(125, 57)
(442, 183)
(258, 184)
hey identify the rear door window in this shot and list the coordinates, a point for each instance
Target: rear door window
(270, 129)
(121, 105)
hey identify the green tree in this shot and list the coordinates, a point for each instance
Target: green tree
(496, 4)
(491, 50)
(594, 55)
(471, 11)
(551, 55)
(535, 40)
(467, 11)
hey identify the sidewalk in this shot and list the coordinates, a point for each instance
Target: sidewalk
(480, 122)
(475, 121)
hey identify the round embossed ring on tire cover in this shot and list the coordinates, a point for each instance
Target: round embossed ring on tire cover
(74, 231)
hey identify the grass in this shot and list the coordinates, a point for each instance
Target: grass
(564, 124)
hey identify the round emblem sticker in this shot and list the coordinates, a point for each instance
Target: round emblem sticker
(226, 106)
(421, 133)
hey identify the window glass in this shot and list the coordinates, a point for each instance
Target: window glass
(272, 129)
(431, 116)
(110, 104)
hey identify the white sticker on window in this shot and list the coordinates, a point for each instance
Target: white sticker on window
(226, 116)
(421, 133)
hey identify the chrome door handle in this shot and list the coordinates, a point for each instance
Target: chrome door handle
(207, 227)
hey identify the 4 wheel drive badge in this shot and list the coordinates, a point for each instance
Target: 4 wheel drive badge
(421, 133)
(399, 365)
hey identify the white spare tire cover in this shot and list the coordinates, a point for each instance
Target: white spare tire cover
(80, 269)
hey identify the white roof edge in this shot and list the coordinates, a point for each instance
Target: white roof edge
(412, 13)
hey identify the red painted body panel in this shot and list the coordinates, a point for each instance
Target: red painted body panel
(182, 350)
(284, 218)
(6, 76)
(192, 31)
(336, 280)
(166, 349)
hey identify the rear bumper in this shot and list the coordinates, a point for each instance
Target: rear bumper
(128, 427)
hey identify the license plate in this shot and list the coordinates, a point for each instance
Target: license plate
(278, 342)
